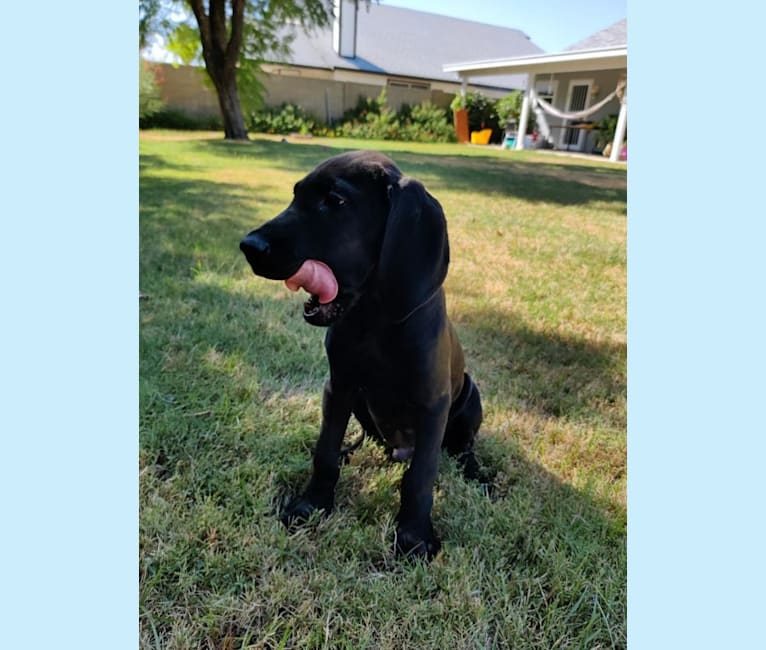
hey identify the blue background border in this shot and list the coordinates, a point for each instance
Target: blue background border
(696, 354)
(69, 266)
(696, 327)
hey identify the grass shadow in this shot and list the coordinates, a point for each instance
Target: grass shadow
(553, 375)
(147, 162)
(540, 182)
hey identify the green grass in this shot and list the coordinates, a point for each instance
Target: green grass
(230, 384)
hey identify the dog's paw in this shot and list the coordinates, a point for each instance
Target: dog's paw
(414, 543)
(299, 510)
(470, 466)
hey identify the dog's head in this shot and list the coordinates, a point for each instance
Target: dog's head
(355, 226)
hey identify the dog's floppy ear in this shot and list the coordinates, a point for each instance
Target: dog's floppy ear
(415, 251)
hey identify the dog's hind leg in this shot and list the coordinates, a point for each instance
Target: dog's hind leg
(462, 426)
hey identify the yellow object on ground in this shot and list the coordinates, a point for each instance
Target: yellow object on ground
(481, 137)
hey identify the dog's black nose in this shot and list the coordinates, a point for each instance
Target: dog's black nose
(254, 246)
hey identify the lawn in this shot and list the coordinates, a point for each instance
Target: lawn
(230, 387)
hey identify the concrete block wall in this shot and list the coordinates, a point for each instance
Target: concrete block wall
(184, 88)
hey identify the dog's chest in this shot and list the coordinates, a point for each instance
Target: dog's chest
(385, 378)
(389, 403)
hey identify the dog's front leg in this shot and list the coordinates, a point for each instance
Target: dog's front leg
(319, 494)
(415, 534)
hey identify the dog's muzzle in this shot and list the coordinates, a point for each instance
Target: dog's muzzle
(315, 277)
(257, 251)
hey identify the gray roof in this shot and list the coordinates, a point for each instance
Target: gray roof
(407, 43)
(612, 36)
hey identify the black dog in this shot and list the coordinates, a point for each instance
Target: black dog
(371, 248)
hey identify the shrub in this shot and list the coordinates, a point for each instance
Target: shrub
(172, 118)
(482, 113)
(284, 120)
(364, 106)
(373, 118)
(607, 127)
(376, 126)
(428, 123)
(370, 119)
(508, 108)
(149, 100)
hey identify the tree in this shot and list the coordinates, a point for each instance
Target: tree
(149, 100)
(234, 37)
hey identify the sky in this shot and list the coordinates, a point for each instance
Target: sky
(552, 25)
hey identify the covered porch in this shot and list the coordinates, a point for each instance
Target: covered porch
(569, 92)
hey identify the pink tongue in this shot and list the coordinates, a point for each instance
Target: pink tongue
(316, 278)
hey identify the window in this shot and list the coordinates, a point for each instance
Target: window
(402, 83)
(546, 89)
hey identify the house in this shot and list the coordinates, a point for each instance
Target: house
(569, 91)
(367, 48)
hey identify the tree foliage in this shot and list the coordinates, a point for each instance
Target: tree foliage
(495, 114)
(233, 38)
(149, 100)
(508, 108)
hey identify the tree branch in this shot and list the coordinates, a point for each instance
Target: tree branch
(204, 25)
(218, 28)
(237, 25)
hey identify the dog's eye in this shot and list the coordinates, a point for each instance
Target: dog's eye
(336, 200)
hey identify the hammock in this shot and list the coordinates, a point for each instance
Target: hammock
(537, 102)
(542, 123)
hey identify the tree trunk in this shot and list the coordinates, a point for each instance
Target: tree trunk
(231, 109)
(220, 49)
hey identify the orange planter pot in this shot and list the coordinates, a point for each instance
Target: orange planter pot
(460, 120)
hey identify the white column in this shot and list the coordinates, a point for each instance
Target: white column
(619, 132)
(524, 117)
(463, 89)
